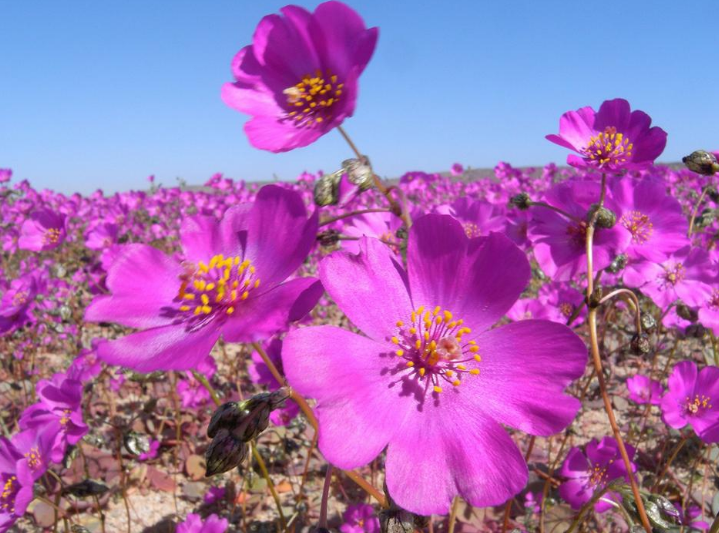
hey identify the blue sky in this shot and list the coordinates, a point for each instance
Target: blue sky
(102, 94)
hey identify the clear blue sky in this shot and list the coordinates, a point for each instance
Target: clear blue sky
(104, 93)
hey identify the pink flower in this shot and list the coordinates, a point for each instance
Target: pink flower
(232, 284)
(614, 138)
(360, 518)
(692, 398)
(299, 77)
(44, 230)
(643, 390)
(5, 175)
(457, 169)
(430, 379)
(195, 524)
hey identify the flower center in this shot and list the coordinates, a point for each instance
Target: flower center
(432, 344)
(577, 234)
(65, 417)
(566, 309)
(310, 101)
(9, 490)
(472, 230)
(694, 406)
(714, 300)
(20, 298)
(598, 476)
(217, 286)
(51, 236)
(608, 148)
(674, 274)
(34, 459)
(638, 225)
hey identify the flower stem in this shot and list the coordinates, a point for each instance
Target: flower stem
(353, 214)
(396, 209)
(635, 301)
(597, 360)
(307, 410)
(325, 497)
(270, 485)
(453, 514)
(208, 387)
(508, 507)
(695, 211)
(673, 456)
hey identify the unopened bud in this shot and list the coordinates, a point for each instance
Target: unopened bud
(224, 453)
(605, 217)
(85, 488)
(648, 322)
(701, 162)
(359, 172)
(325, 192)
(696, 331)
(640, 344)
(687, 313)
(618, 264)
(328, 237)
(521, 201)
(136, 443)
(246, 419)
(595, 297)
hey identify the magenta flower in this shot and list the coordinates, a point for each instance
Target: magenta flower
(195, 524)
(431, 380)
(60, 407)
(214, 494)
(299, 77)
(560, 244)
(614, 138)
(16, 485)
(360, 518)
(692, 398)
(44, 230)
(478, 217)
(457, 169)
(17, 303)
(643, 390)
(101, 236)
(5, 175)
(151, 453)
(652, 218)
(588, 473)
(708, 311)
(232, 284)
(383, 226)
(687, 275)
(561, 301)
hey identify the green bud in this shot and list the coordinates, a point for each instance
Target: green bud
(326, 189)
(701, 162)
(521, 201)
(605, 217)
(618, 264)
(687, 313)
(359, 172)
(246, 419)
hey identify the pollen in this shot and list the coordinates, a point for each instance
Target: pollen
(312, 100)
(608, 148)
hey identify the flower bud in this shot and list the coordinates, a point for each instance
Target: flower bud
(246, 419)
(325, 192)
(521, 201)
(85, 488)
(640, 344)
(224, 453)
(136, 443)
(595, 297)
(328, 237)
(605, 217)
(701, 162)
(359, 172)
(648, 322)
(687, 313)
(618, 264)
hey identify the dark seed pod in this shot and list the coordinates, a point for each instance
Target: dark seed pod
(328, 237)
(618, 264)
(701, 162)
(224, 453)
(648, 322)
(687, 313)
(640, 344)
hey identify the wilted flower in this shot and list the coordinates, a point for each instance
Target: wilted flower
(614, 138)
(299, 77)
(430, 379)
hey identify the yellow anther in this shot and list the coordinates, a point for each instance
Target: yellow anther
(203, 267)
(433, 346)
(437, 389)
(418, 344)
(472, 342)
(213, 261)
(414, 317)
(410, 364)
(422, 371)
(474, 349)
(230, 310)
(246, 283)
(257, 283)
(210, 286)
(452, 325)
(395, 340)
(400, 323)
(199, 285)
(198, 309)
(206, 309)
(461, 367)
(449, 373)
(400, 352)
(474, 371)
(188, 296)
(420, 310)
(456, 383)
(413, 330)
(184, 308)
(438, 320)
(253, 269)
(447, 316)
(436, 310)
(233, 295)
(426, 335)
(235, 284)
(205, 299)
(237, 260)
(478, 358)
(244, 295)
